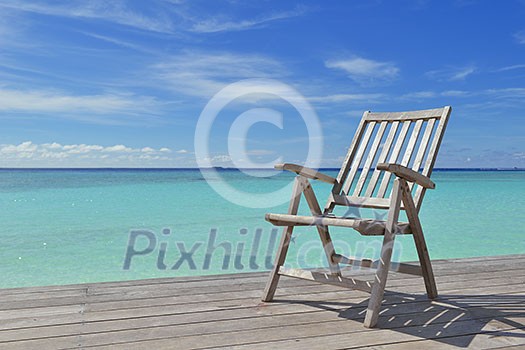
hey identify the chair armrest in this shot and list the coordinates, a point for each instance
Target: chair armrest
(407, 174)
(306, 172)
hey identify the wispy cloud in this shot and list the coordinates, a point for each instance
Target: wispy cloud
(170, 17)
(507, 93)
(56, 154)
(203, 74)
(112, 11)
(456, 93)
(94, 108)
(214, 25)
(520, 36)
(488, 95)
(364, 70)
(420, 95)
(451, 73)
(513, 67)
(335, 98)
(417, 95)
(120, 42)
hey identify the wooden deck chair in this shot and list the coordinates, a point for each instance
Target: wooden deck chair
(401, 143)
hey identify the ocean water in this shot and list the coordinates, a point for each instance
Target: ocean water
(75, 226)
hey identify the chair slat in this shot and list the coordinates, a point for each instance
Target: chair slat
(412, 143)
(345, 167)
(382, 158)
(432, 153)
(362, 202)
(393, 158)
(424, 145)
(362, 148)
(404, 116)
(370, 158)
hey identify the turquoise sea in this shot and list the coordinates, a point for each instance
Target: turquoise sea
(73, 226)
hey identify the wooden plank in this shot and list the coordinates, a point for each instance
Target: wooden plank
(409, 150)
(382, 158)
(404, 116)
(395, 312)
(368, 263)
(306, 172)
(241, 313)
(150, 304)
(282, 250)
(349, 158)
(320, 277)
(367, 227)
(393, 158)
(378, 288)
(160, 297)
(432, 153)
(465, 286)
(360, 202)
(90, 288)
(358, 157)
(407, 174)
(419, 239)
(324, 235)
(370, 158)
(423, 145)
(235, 333)
(159, 300)
(391, 300)
(313, 338)
(211, 284)
(478, 341)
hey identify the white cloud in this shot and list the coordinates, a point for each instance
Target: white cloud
(507, 93)
(455, 93)
(216, 25)
(161, 16)
(519, 155)
(181, 151)
(347, 98)
(54, 154)
(419, 95)
(513, 67)
(204, 74)
(364, 70)
(520, 36)
(111, 11)
(451, 73)
(84, 107)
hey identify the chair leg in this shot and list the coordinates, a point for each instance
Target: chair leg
(324, 234)
(329, 250)
(419, 240)
(426, 266)
(273, 279)
(378, 288)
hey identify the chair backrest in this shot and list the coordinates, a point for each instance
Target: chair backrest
(410, 138)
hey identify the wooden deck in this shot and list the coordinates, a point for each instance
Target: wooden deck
(481, 305)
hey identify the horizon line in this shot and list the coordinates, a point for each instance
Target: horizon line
(233, 168)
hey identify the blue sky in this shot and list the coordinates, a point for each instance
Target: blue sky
(122, 83)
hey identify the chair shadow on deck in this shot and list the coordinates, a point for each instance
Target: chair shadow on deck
(453, 319)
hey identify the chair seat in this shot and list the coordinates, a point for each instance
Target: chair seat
(367, 227)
